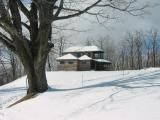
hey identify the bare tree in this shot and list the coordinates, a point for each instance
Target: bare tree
(138, 44)
(122, 57)
(107, 44)
(33, 50)
(13, 62)
(4, 78)
(62, 43)
(154, 43)
(10, 66)
(89, 41)
(130, 40)
(147, 44)
(59, 44)
(102, 42)
(121, 61)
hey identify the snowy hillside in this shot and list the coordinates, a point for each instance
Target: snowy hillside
(112, 95)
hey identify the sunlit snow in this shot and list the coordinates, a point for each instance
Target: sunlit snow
(90, 95)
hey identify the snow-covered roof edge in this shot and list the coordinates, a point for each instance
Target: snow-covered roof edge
(67, 57)
(85, 57)
(83, 49)
(102, 60)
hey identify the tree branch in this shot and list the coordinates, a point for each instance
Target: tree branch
(6, 41)
(124, 9)
(23, 9)
(16, 18)
(120, 6)
(60, 8)
(26, 26)
(8, 28)
(76, 14)
(17, 39)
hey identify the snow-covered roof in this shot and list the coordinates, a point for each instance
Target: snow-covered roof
(67, 57)
(72, 49)
(85, 57)
(83, 49)
(102, 60)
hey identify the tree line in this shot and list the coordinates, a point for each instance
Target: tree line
(10, 66)
(136, 50)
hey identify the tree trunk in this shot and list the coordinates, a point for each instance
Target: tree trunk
(49, 63)
(34, 66)
(37, 80)
(36, 76)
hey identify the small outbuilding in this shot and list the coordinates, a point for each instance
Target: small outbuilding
(67, 62)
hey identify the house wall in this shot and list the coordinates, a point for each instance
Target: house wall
(84, 65)
(67, 66)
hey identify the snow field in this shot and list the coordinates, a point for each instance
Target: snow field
(92, 95)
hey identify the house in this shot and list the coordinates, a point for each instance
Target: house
(82, 59)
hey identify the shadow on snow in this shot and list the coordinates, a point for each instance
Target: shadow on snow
(138, 81)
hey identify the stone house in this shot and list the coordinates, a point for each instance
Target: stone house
(83, 59)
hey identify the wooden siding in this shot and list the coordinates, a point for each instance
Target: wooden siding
(84, 65)
(67, 66)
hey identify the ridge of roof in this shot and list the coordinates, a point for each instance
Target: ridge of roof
(83, 49)
(85, 57)
(67, 57)
(102, 60)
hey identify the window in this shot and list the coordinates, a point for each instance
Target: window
(70, 62)
(62, 62)
(101, 56)
(96, 55)
(83, 62)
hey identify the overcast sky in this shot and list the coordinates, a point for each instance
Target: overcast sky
(118, 28)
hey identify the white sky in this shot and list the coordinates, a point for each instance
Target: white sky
(117, 28)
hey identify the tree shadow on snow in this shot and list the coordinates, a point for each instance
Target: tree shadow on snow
(12, 90)
(138, 81)
(147, 80)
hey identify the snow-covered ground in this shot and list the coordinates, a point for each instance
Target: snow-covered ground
(112, 95)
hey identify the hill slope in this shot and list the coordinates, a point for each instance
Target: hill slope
(112, 95)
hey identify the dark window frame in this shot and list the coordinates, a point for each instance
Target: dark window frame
(62, 62)
(70, 62)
